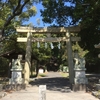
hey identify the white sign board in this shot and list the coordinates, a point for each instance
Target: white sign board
(40, 70)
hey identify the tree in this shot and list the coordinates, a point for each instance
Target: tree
(89, 22)
(57, 11)
(14, 12)
(85, 13)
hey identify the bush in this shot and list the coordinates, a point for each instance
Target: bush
(4, 67)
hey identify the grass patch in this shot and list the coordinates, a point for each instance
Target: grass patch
(66, 75)
(41, 75)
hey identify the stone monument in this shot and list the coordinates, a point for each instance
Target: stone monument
(80, 79)
(42, 92)
(16, 77)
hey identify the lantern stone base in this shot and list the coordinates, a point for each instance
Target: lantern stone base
(79, 87)
(80, 80)
(16, 77)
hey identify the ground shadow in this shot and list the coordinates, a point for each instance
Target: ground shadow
(54, 84)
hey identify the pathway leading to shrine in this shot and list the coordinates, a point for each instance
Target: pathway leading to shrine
(58, 88)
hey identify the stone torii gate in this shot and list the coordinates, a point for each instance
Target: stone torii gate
(29, 39)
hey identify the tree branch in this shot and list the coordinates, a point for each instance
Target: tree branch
(18, 6)
(17, 11)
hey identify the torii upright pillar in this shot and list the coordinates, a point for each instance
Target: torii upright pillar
(27, 59)
(70, 58)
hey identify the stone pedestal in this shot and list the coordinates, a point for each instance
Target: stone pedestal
(80, 80)
(80, 77)
(79, 87)
(16, 77)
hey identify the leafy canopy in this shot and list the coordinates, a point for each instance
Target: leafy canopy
(85, 13)
(14, 12)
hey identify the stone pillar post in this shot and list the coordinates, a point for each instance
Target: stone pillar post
(27, 59)
(70, 58)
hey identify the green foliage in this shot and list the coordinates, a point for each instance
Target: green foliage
(58, 14)
(10, 43)
(1, 23)
(89, 22)
(13, 13)
(4, 66)
(85, 13)
(42, 53)
(65, 75)
(82, 53)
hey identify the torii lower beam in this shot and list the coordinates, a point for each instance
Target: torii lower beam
(51, 39)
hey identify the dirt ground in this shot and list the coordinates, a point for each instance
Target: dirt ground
(93, 79)
(57, 88)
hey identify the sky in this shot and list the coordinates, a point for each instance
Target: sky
(34, 19)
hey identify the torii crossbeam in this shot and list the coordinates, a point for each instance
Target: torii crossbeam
(23, 29)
